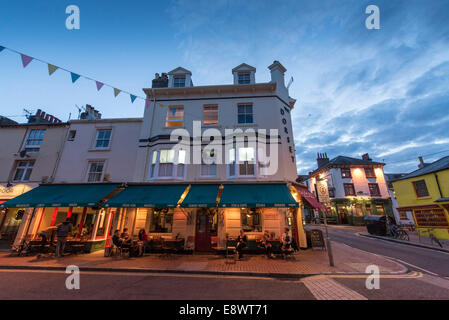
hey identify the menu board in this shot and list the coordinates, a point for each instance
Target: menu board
(430, 218)
(317, 239)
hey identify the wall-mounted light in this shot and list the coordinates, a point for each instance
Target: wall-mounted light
(357, 171)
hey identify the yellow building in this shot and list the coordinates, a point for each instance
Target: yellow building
(425, 193)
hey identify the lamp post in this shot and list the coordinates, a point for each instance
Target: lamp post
(328, 242)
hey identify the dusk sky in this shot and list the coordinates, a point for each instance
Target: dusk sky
(384, 91)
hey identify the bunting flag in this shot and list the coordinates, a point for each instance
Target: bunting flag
(52, 69)
(26, 60)
(99, 85)
(161, 105)
(74, 77)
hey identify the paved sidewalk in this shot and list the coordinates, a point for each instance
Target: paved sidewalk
(307, 262)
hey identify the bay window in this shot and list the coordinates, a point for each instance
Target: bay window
(246, 162)
(166, 160)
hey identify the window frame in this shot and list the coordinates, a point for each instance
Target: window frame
(245, 114)
(252, 211)
(177, 84)
(25, 169)
(34, 147)
(204, 114)
(346, 177)
(372, 170)
(177, 122)
(353, 188)
(89, 166)
(97, 133)
(414, 183)
(378, 194)
(244, 77)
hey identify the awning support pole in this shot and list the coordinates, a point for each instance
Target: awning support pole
(53, 219)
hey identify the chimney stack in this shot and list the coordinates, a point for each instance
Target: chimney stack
(366, 157)
(277, 73)
(322, 159)
(421, 162)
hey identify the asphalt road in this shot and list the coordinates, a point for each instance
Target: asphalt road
(50, 285)
(428, 261)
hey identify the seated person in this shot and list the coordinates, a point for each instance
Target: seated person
(143, 236)
(267, 244)
(116, 239)
(286, 240)
(242, 239)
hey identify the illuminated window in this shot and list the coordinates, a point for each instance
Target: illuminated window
(175, 116)
(210, 114)
(251, 220)
(380, 209)
(166, 160)
(421, 188)
(345, 172)
(161, 221)
(231, 164)
(357, 210)
(181, 163)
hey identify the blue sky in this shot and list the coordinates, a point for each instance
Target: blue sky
(384, 91)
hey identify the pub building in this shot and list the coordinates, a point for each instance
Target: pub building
(194, 213)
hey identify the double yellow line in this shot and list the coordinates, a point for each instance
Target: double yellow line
(410, 275)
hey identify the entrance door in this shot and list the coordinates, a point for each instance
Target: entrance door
(342, 214)
(206, 227)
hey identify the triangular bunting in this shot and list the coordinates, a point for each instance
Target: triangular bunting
(99, 85)
(116, 92)
(52, 69)
(74, 77)
(133, 97)
(161, 105)
(1, 48)
(26, 60)
(147, 103)
(173, 111)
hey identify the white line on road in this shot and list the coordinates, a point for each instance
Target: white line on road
(413, 266)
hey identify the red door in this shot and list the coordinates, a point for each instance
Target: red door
(206, 227)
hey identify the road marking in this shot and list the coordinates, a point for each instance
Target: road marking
(411, 275)
(413, 266)
(325, 288)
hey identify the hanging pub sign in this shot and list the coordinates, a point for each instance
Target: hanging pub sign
(323, 192)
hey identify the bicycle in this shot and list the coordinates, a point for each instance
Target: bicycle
(400, 234)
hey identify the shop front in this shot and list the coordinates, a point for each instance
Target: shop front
(49, 205)
(430, 219)
(198, 213)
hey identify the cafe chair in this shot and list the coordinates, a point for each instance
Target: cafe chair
(190, 244)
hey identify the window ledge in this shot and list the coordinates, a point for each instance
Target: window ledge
(247, 125)
(423, 198)
(98, 150)
(211, 126)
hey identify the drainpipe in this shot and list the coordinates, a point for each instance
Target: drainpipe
(438, 184)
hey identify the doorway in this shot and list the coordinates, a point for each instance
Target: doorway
(206, 227)
(342, 213)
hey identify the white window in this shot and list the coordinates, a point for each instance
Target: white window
(175, 116)
(23, 171)
(208, 169)
(181, 163)
(210, 114)
(245, 113)
(166, 163)
(244, 78)
(246, 162)
(103, 139)
(95, 171)
(179, 82)
(153, 163)
(34, 140)
(231, 164)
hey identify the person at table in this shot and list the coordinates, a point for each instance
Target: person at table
(125, 236)
(62, 232)
(286, 239)
(242, 239)
(119, 241)
(267, 244)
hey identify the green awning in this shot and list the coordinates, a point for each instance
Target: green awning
(147, 196)
(256, 196)
(70, 195)
(201, 196)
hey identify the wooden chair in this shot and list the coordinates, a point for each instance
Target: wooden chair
(231, 249)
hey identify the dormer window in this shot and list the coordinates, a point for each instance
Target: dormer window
(179, 82)
(244, 78)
